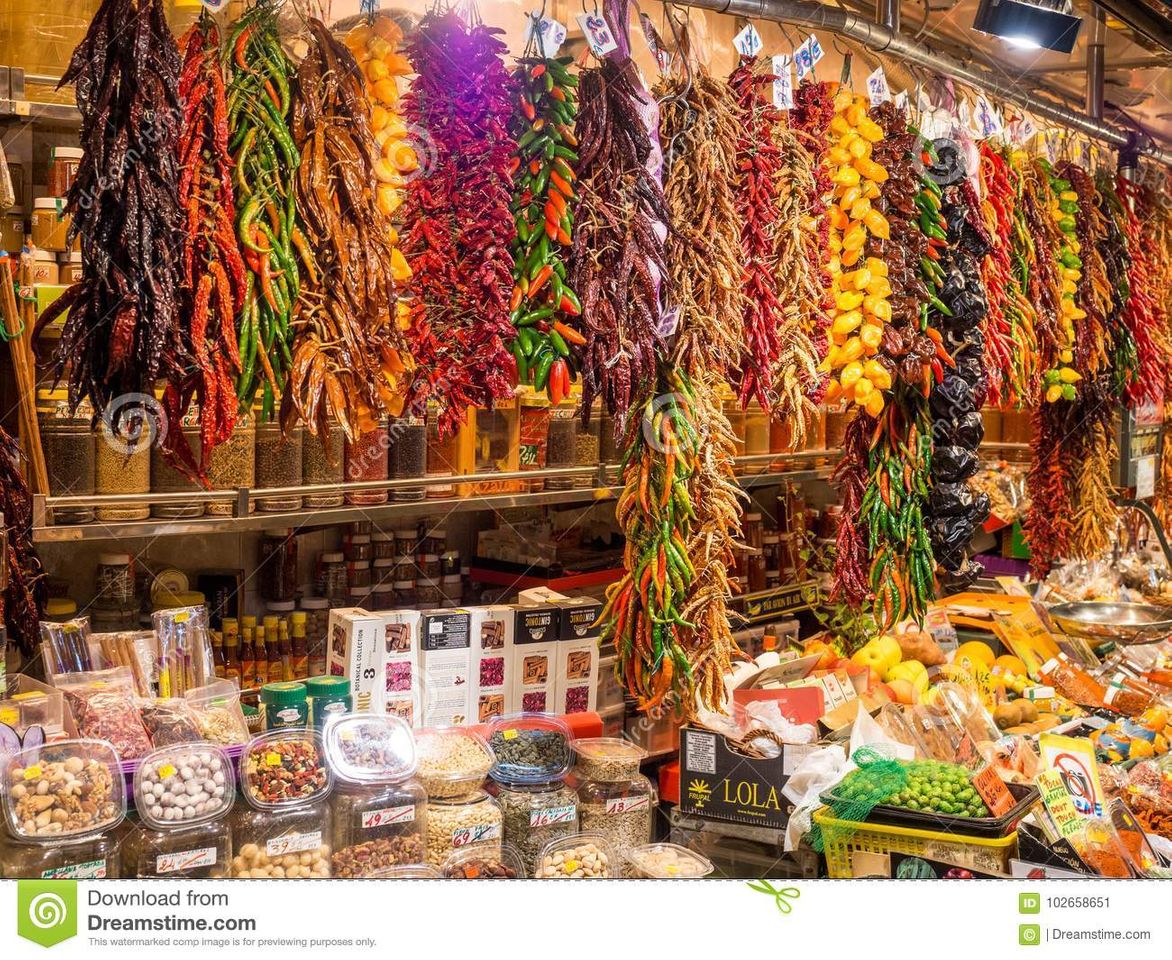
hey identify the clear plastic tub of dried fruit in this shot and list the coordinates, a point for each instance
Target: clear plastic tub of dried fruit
(285, 768)
(484, 863)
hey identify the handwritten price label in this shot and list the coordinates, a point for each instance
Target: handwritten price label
(877, 87)
(627, 804)
(380, 818)
(803, 59)
(598, 33)
(993, 791)
(748, 41)
(187, 860)
(293, 843)
(816, 51)
(783, 82)
(549, 33)
(466, 836)
(551, 815)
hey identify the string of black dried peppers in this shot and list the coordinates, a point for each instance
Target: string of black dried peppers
(1125, 364)
(123, 331)
(26, 593)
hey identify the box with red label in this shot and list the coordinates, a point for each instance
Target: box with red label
(492, 651)
(449, 687)
(402, 683)
(533, 671)
(576, 689)
(354, 640)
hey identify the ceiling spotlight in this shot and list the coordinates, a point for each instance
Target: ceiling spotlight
(1030, 24)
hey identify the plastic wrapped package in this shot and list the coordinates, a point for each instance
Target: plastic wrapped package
(292, 844)
(484, 863)
(66, 647)
(582, 856)
(72, 788)
(217, 712)
(183, 785)
(185, 649)
(103, 706)
(199, 852)
(667, 861)
(27, 707)
(454, 823)
(1149, 796)
(95, 858)
(169, 721)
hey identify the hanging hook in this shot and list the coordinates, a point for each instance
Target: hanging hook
(680, 96)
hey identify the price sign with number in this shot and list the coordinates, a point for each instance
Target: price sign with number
(877, 88)
(551, 815)
(783, 82)
(466, 836)
(293, 843)
(816, 51)
(548, 34)
(748, 41)
(627, 804)
(803, 60)
(380, 818)
(599, 36)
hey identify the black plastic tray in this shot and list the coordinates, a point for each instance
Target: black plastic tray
(1024, 794)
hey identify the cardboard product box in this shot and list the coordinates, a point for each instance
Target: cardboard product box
(449, 685)
(354, 639)
(492, 654)
(533, 672)
(719, 783)
(400, 671)
(576, 690)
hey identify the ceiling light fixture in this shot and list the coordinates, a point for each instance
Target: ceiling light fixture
(1030, 24)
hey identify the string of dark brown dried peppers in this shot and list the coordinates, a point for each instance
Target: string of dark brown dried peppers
(345, 328)
(124, 330)
(22, 605)
(265, 161)
(459, 230)
(543, 305)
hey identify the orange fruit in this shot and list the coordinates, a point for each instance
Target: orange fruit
(1011, 664)
(974, 652)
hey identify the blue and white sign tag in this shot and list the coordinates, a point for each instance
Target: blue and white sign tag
(816, 51)
(877, 88)
(548, 34)
(748, 42)
(783, 82)
(803, 60)
(599, 36)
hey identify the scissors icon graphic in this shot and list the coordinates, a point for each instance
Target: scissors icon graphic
(781, 895)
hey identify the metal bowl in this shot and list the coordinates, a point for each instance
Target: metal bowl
(1125, 623)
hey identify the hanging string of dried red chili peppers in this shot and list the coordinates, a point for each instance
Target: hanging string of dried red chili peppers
(1142, 316)
(23, 603)
(213, 268)
(1125, 365)
(459, 228)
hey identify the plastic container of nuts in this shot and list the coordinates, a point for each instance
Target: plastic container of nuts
(202, 851)
(484, 863)
(583, 856)
(44, 789)
(667, 861)
(530, 748)
(291, 844)
(452, 762)
(456, 823)
(179, 786)
(369, 748)
(407, 871)
(284, 768)
(607, 758)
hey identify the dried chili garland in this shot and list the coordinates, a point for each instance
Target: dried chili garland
(1125, 364)
(345, 331)
(213, 268)
(124, 329)
(1143, 315)
(459, 228)
(23, 603)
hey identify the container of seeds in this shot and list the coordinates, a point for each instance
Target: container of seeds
(232, 465)
(614, 798)
(284, 768)
(452, 762)
(530, 748)
(122, 465)
(69, 789)
(667, 861)
(278, 464)
(183, 785)
(454, 823)
(322, 465)
(484, 863)
(535, 814)
(68, 445)
(93, 858)
(581, 856)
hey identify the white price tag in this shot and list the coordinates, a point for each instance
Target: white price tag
(90, 870)
(988, 119)
(627, 804)
(380, 818)
(877, 87)
(655, 43)
(293, 843)
(816, 51)
(902, 100)
(599, 36)
(783, 82)
(548, 34)
(187, 860)
(466, 836)
(803, 60)
(551, 815)
(1145, 478)
(748, 41)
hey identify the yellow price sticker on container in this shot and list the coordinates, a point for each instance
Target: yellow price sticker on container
(31, 773)
(272, 759)
(510, 734)
(570, 866)
(167, 770)
(346, 735)
(9, 716)
(182, 616)
(673, 868)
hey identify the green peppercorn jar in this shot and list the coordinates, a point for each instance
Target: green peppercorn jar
(328, 697)
(284, 705)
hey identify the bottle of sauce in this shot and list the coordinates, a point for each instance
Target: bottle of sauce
(299, 646)
(219, 665)
(286, 648)
(273, 642)
(247, 653)
(1073, 682)
(260, 675)
(231, 629)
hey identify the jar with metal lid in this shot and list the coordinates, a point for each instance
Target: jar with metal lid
(450, 563)
(588, 448)
(736, 421)
(317, 621)
(94, 858)
(534, 436)
(60, 609)
(405, 596)
(454, 823)
(754, 530)
(358, 546)
(50, 224)
(321, 466)
(563, 441)
(452, 591)
(406, 541)
(358, 574)
(232, 465)
(292, 844)
(12, 230)
(45, 268)
(383, 585)
(277, 567)
(278, 464)
(123, 467)
(63, 167)
(331, 578)
(166, 479)
(533, 815)
(201, 852)
(429, 565)
(114, 580)
(408, 460)
(69, 268)
(427, 593)
(442, 455)
(614, 798)
(434, 540)
(68, 445)
(366, 459)
(495, 446)
(383, 545)
(359, 597)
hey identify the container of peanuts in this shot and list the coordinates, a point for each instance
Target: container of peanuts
(457, 823)
(667, 861)
(378, 810)
(183, 784)
(583, 856)
(65, 790)
(290, 844)
(453, 762)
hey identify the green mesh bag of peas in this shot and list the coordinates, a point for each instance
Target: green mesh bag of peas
(927, 785)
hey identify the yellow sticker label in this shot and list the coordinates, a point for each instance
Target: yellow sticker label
(29, 695)
(182, 616)
(510, 734)
(272, 759)
(9, 716)
(673, 869)
(167, 770)
(346, 735)
(570, 866)
(31, 773)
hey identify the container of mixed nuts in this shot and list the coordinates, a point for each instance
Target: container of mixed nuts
(70, 789)
(284, 768)
(530, 748)
(452, 762)
(583, 856)
(484, 863)
(667, 861)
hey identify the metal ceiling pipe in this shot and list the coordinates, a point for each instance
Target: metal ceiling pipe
(887, 13)
(1096, 62)
(880, 39)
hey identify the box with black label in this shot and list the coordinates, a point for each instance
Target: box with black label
(533, 670)
(576, 689)
(449, 688)
(354, 638)
(718, 782)
(492, 652)
(400, 664)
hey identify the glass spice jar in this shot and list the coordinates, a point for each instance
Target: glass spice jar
(317, 619)
(406, 541)
(322, 464)
(608, 442)
(563, 443)
(427, 593)
(588, 448)
(68, 445)
(232, 466)
(405, 597)
(495, 446)
(408, 456)
(166, 479)
(278, 464)
(534, 429)
(114, 580)
(122, 468)
(442, 456)
(452, 591)
(358, 546)
(277, 568)
(331, 578)
(358, 574)
(360, 597)
(435, 540)
(383, 545)
(366, 460)
(429, 565)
